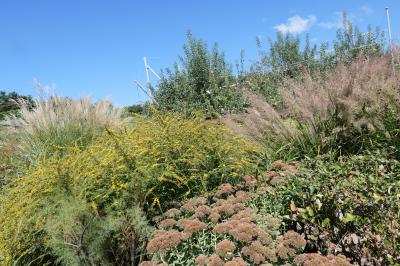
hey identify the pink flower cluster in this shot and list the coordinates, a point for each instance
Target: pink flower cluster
(244, 236)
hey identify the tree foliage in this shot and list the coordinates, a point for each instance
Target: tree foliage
(287, 57)
(351, 43)
(202, 80)
(9, 103)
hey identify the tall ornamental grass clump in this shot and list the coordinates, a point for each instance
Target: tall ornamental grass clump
(59, 122)
(84, 207)
(354, 109)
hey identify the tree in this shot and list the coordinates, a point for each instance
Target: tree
(351, 43)
(202, 80)
(9, 103)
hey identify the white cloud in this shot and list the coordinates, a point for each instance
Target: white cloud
(357, 16)
(337, 24)
(296, 24)
(367, 10)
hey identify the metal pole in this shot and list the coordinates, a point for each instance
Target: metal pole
(146, 66)
(152, 71)
(390, 39)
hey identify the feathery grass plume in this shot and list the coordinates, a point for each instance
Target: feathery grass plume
(260, 116)
(344, 112)
(58, 122)
(347, 110)
(344, 93)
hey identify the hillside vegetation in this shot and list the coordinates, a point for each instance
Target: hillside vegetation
(293, 161)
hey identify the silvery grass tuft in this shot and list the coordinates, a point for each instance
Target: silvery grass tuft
(59, 122)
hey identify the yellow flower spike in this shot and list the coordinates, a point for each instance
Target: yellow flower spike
(93, 205)
(156, 201)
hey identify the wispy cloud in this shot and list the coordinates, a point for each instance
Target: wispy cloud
(296, 24)
(336, 24)
(359, 15)
(367, 10)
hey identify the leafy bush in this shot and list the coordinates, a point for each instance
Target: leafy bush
(337, 205)
(202, 81)
(133, 109)
(351, 43)
(92, 191)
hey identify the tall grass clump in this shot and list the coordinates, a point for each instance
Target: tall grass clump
(59, 122)
(353, 109)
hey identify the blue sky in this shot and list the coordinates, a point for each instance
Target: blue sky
(88, 47)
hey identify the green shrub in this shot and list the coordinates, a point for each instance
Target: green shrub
(351, 43)
(347, 206)
(144, 165)
(203, 81)
(80, 234)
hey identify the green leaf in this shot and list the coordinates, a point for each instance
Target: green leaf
(310, 211)
(326, 222)
(348, 218)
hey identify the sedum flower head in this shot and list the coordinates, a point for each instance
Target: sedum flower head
(225, 249)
